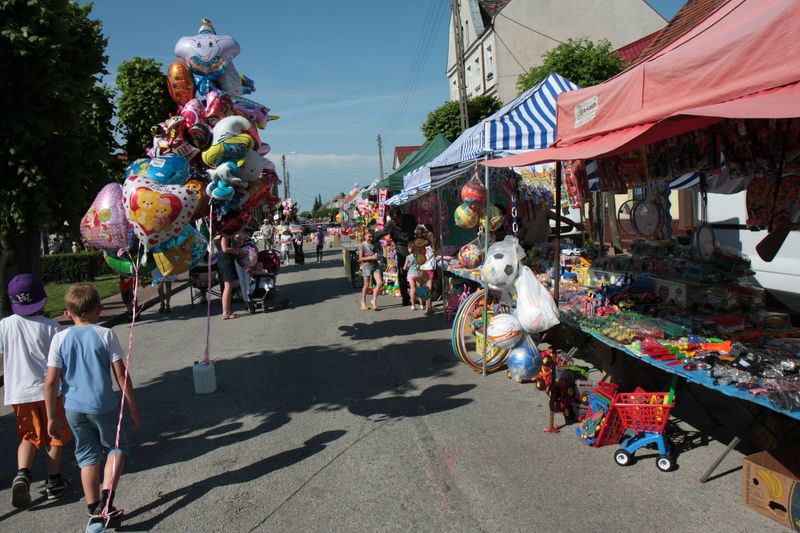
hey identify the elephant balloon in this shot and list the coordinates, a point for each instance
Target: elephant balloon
(209, 56)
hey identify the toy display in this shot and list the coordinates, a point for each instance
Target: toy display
(524, 362)
(504, 331)
(474, 192)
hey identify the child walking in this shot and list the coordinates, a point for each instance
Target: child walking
(368, 255)
(82, 357)
(286, 245)
(413, 275)
(24, 341)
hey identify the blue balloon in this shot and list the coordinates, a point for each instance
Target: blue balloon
(166, 170)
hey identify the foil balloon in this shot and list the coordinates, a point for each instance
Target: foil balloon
(199, 136)
(193, 112)
(180, 82)
(123, 265)
(199, 187)
(104, 226)
(234, 222)
(218, 106)
(166, 170)
(175, 260)
(254, 164)
(157, 212)
(256, 194)
(209, 56)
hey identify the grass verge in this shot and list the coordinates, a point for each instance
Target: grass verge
(106, 286)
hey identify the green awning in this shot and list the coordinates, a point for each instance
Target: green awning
(394, 181)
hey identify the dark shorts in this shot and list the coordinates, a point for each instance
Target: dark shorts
(227, 268)
(127, 297)
(319, 248)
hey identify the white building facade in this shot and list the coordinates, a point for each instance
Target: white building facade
(505, 38)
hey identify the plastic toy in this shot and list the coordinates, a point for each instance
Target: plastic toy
(504, 331)
(500, 270)
(523, 362)
(647, 414)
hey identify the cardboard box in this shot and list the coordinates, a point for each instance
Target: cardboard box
(675, 292)
(771, 485)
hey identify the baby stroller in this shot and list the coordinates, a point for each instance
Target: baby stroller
(262, 283)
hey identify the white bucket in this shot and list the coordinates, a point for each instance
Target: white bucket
(205, 379)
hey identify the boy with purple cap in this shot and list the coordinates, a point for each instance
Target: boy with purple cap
(24, 344)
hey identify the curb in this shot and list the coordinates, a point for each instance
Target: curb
(121, 319)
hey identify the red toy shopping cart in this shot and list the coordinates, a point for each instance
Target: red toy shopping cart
(645, 414)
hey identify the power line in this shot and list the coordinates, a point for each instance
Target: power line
(510, 52)
(415, 58)
(424, 46)
(531, 29)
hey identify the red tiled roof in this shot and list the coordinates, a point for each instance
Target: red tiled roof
(690, 15)
(631, 51)
(401, 152)
(492, 7)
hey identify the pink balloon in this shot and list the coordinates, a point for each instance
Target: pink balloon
(193, 112)
(157, 212)
(104, 226)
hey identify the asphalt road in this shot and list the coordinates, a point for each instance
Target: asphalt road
(327, 418)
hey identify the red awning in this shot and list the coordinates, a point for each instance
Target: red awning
(781, 102)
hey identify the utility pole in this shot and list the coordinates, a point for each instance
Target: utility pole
(288, 188)
(462, 84)
(380, 156)
(285, 183)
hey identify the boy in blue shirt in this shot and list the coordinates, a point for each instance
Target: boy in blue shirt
(83, 357)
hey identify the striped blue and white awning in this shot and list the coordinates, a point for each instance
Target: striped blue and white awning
(526, 123)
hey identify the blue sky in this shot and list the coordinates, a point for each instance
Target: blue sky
(337, 72)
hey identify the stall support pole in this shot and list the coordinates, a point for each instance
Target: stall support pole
(436, 254)
(486, 348)
(551, 417)
(557, 251)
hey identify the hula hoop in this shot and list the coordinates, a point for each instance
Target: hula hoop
(466, 337)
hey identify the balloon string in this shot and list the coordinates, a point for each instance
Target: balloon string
(206, 357)
(111, 487)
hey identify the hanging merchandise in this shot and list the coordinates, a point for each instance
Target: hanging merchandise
(502, 263)
(466, 216)
(536, 310)
(496, 219)
(474, 192)
(504, 331)
(576, 182)
(471, 255)
(703, 240)
(105, 226)
(524, 361)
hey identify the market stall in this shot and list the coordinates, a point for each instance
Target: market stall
(720, 104)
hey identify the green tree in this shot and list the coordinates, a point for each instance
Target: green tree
(445, 119)
(56, 140)
(581, 61)
(317, 203)
(142, 102)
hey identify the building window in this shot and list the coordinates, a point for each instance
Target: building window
(478, 74)
(489, 63)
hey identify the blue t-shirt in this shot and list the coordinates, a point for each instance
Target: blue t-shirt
(85, 355)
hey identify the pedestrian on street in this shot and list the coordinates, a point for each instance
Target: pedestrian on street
(164, 284)
(286, 243)
(267, 232)
(319, 242)
(226, 266)
(24, 340)
(369, 253)
(83, 357)
(401, 228)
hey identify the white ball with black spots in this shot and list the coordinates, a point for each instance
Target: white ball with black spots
(500, 269)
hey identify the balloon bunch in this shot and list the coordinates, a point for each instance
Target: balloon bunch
(209, 151)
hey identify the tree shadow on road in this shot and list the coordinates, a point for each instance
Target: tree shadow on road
(194, 491)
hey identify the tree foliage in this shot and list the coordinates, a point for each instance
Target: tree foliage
(445, 119)
(142, 102)
(57, 138)
(581, 61)
(317, 203)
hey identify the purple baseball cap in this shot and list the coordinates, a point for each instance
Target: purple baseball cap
(27, 295)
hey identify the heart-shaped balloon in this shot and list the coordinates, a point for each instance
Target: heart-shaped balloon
(104, 226)
(157, 212)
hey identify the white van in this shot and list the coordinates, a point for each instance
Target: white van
(781, 276)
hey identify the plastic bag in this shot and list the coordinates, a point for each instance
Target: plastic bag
(536, 310)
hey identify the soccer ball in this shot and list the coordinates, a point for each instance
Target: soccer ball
(470, 256)
(465, 216)
(523, 362)
(504, 331)
(500, 270)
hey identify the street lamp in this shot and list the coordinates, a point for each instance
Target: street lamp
(285, 176)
